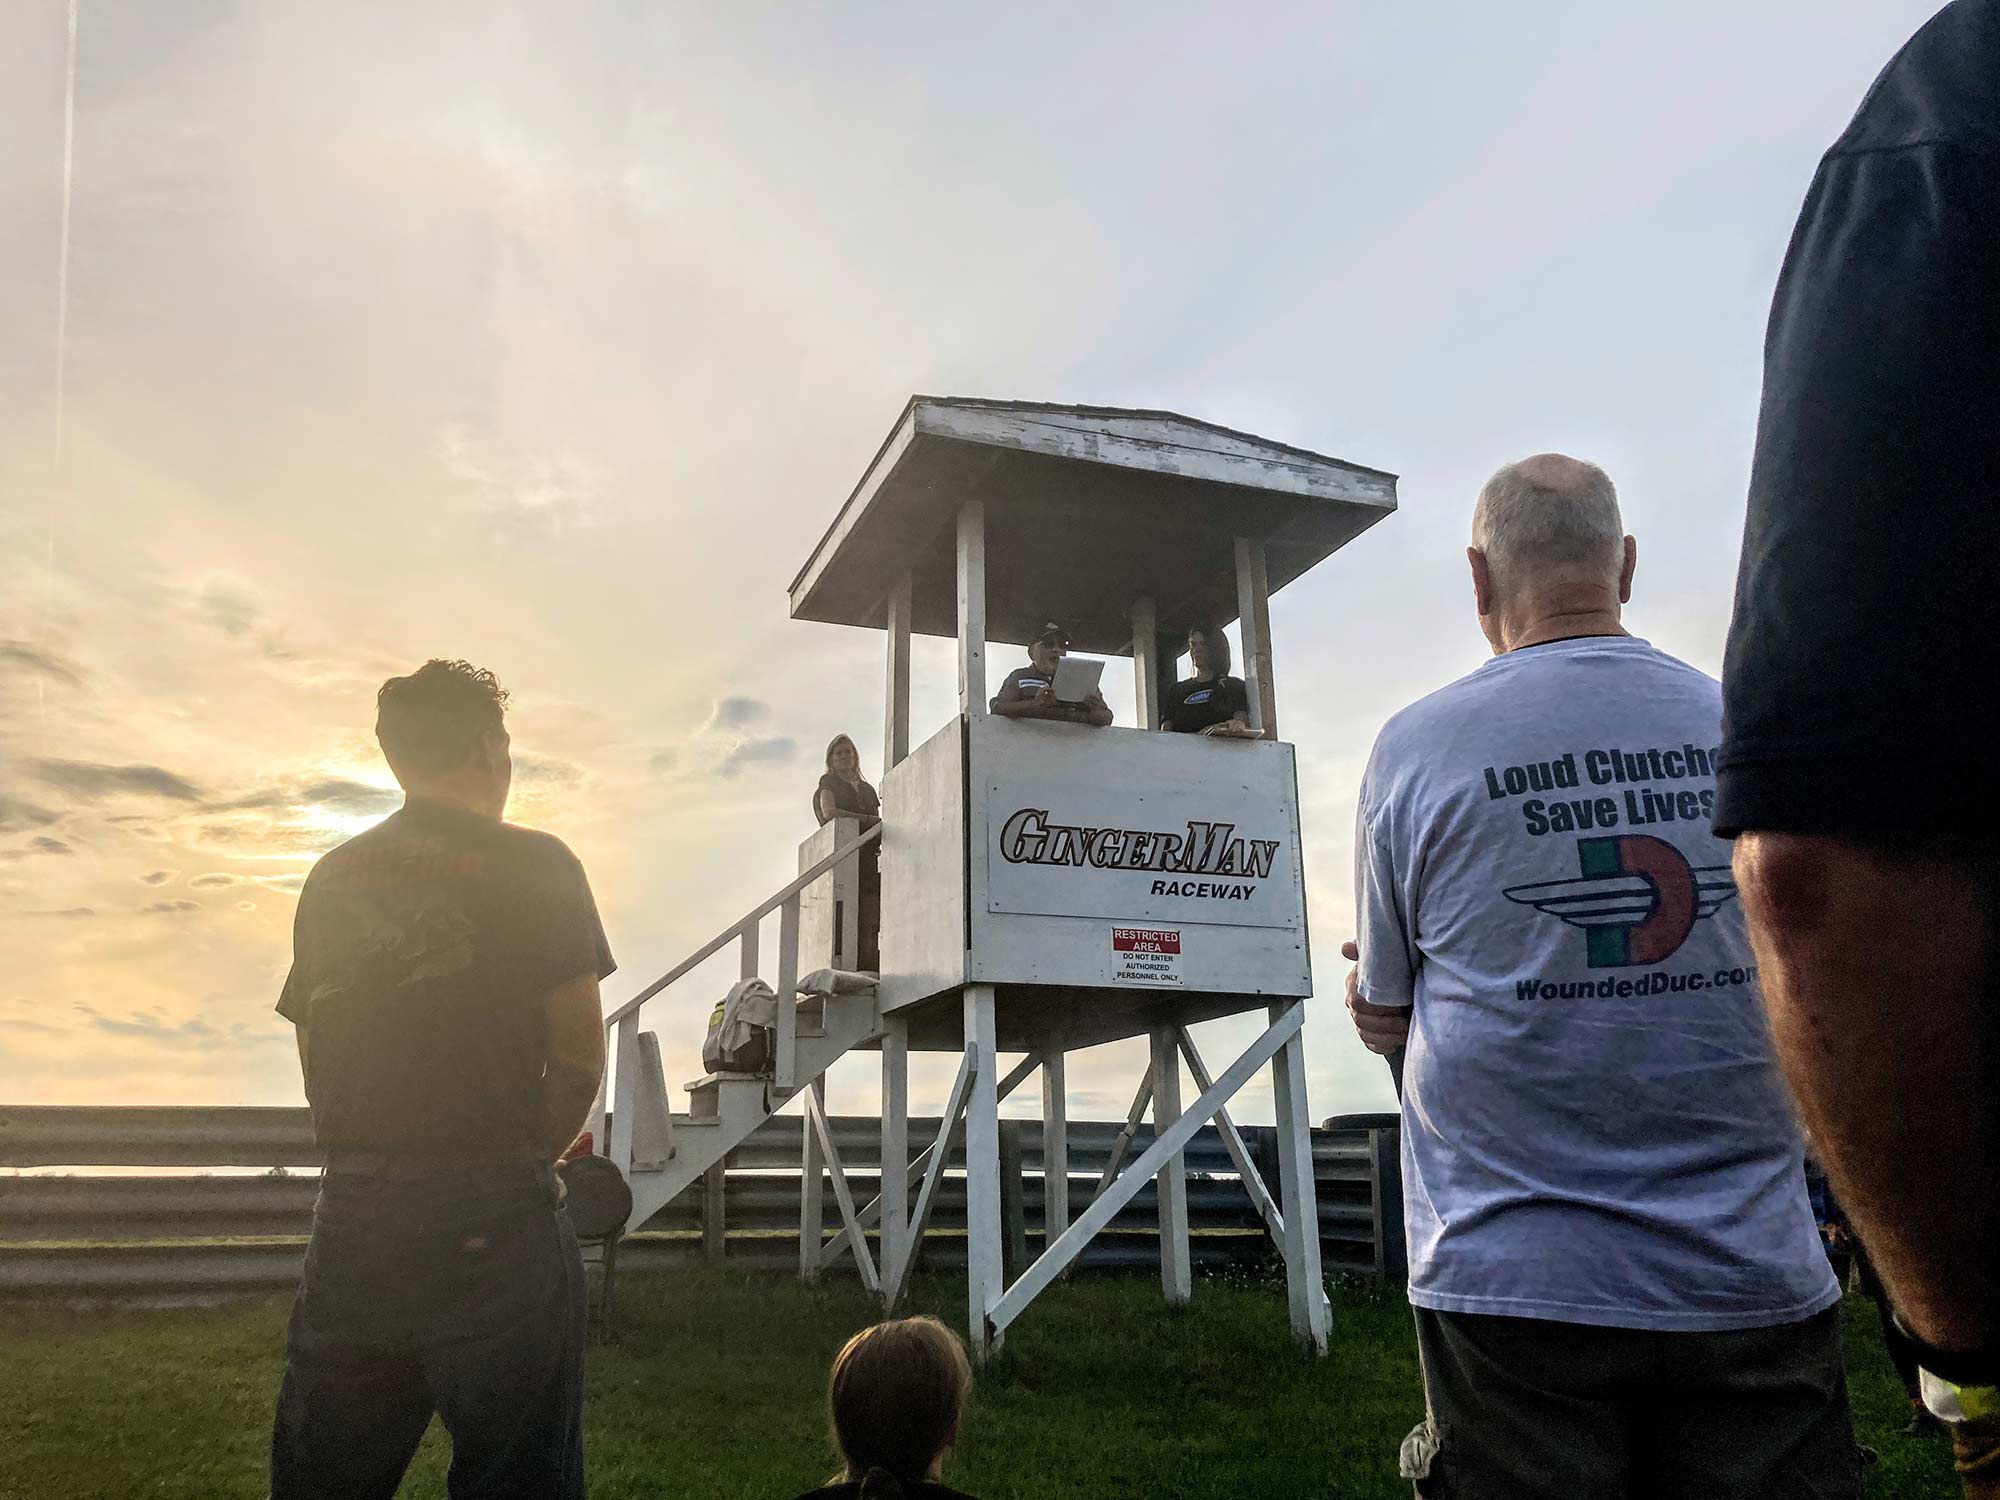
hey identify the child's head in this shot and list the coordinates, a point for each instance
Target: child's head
(896, 1394)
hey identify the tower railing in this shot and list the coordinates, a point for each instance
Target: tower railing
(621, 1025)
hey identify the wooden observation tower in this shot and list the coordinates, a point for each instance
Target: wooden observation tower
(1048, 886)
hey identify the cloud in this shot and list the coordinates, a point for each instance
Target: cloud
(40, 844)
(153, 1026)
(90, 780)
(545, 771)
(286, 884)
(228, 609)
(738, 712)
(170, 908)
(157, 877)
(149, 1026)
(238, 615)
(15, 815)
(722, 746)
(336, 794)
(213, 881)
(141, 828)
(73, 912)
(38, 661)
(755, 752)
(536, 494)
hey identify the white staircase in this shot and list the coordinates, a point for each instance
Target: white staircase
(662, 1153)
(725, 1108)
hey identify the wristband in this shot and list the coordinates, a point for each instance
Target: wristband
(1962, 1367)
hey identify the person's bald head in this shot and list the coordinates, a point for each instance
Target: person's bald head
(1547, 541)
(1550, 517)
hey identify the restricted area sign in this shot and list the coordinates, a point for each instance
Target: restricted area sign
(1146, 955)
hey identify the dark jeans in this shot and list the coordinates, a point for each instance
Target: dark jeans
(1524, 1409)
(456, 1292)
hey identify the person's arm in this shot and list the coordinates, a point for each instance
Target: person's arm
(1862, 622)
(823, 806)
(1383, 1029)
(1015, 704)
(1381, 987)
(292, 1003)
(1237, 725)
(1095, 711)
(573, 1067)
(1877, 973)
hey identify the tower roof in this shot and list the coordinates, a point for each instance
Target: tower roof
(1087, 509)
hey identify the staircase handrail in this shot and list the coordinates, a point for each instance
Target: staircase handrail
(735, 930)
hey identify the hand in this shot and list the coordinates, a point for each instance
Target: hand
(1382, 1028)
(1045, 696)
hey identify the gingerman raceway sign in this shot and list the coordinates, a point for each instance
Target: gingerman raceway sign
(1217, 856)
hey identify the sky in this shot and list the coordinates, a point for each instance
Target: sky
(551, 337)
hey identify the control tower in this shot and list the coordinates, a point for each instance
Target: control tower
(1045, 886)
(1049, 886)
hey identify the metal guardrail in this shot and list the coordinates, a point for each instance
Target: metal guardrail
(152, 1234)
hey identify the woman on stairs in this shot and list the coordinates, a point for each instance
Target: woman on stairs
(842, 793)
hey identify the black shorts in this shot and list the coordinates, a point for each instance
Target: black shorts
(1525, 1408)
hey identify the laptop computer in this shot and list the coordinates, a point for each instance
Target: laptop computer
(1076, 678)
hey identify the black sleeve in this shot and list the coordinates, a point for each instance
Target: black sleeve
(1858, 689)
(292, 1000)
(1236, 700)
(826, 784)
(570, 935)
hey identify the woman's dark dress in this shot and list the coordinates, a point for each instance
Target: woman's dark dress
(859, 799)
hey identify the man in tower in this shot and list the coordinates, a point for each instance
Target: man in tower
(1029, 692)
(444, 986)
(1618, 1283)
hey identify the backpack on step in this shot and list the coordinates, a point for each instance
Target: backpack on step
(742, 1030)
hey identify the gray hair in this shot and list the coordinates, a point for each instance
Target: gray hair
(1549, 515)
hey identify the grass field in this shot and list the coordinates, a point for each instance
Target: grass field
(715, 1390)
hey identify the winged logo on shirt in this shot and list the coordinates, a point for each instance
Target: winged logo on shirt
(1637, 899)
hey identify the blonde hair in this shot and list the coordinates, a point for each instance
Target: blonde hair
(895, 1396)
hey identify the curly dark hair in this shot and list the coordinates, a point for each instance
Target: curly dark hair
(429, 721)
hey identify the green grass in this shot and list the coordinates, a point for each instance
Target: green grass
(716, 1387)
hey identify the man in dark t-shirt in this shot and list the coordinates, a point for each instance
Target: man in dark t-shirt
(1210, 702)
(1029, 692)
(1861, 757)
(444, 986)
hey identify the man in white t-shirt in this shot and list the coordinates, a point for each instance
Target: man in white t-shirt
(1618, 1284)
